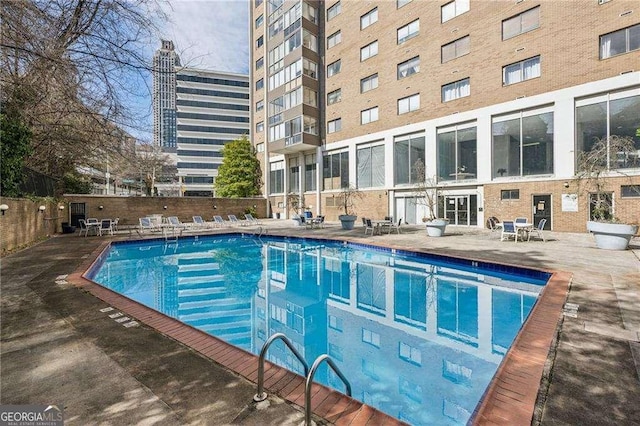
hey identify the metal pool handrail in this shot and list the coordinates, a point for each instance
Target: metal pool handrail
(261, 395)
(309, 382)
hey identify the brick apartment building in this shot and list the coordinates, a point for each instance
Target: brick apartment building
(496, 98)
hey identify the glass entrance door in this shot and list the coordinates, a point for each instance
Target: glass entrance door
(461, 209)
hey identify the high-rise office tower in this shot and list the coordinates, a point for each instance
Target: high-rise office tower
(165, 61)
(496, 99)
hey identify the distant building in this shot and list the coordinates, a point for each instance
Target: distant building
(195, 112)
(165, 61)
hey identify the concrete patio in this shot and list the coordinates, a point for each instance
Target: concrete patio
(58, 347)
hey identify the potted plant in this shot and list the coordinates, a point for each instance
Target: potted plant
(602, 160)
(428, 193)
(348, 195)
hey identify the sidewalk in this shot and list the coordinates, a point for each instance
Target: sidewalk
(58, 347)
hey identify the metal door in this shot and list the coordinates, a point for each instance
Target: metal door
(77, 211)
(542, 210)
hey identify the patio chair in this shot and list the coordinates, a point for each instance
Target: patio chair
(235, 221)
(106, 226)
(114, 223)
(83, 227)
(508, 230)
(199, 222)
(494, 224)
(521, 220)
(368, 226)
(146, 224)
(539, 230)
(395, 226)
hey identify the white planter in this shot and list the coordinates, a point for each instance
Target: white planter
(612, 236)
(436, 227)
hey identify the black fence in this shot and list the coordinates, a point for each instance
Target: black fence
(38, 184)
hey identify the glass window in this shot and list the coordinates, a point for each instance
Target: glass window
(457, 157)
(310, 125)
(618, 42)
(334, 39)
(259, 41)
(369, 115)
(310, 180)
(310, 68)
(294, 175)
(455, 90)
(607, 115)
(408, 31)
(333, 68)
(630, 191)
(521, 71)
(369, 83)
(510, 194)
(521, 23)
(310, 13)
(260, 63)
(369, 18)
(260, 84)
(408, 104)
(335, 170)
(309, 40)
(455, 49)
(407, 150)
(368, 51)
(453, 9)
(260, 105)
(333, 97)
(334, 125)
(260, 127)
(401, 3)
(259, 21)
(410, 67)
(523, 145)
(371, 337)
(333, 11)
(370, 166)
(276, 177)
(410, 353)
(260, 147)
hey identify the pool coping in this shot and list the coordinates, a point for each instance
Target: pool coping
(510, 397)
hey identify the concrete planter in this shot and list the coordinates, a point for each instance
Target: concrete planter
(612, 236)
(347, 220)
(436, 227)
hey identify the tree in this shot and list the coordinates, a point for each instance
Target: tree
(71, 69)
(427, 190)
(239, 174)
(15, 146)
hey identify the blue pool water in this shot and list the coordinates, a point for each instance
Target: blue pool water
(418, 337)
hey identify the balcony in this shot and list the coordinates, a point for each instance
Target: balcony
(296, 143)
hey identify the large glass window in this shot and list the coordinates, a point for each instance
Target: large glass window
(369, 83)
(370, 165)
(369, 18)
(618, 42)
(409, 31)
(455, 49)
(607, 115)
(334, 125)
(310, 181)
(457, 156)
(453, 9)
(408, 104)
(294, 175)
(276, 177)
(456, 90)
(333, 97)
(335, 170)
(523, 144)
(409, 67)
(368, 51)
(521, 71)
(407, 150)
(521, 23)
(333, 68)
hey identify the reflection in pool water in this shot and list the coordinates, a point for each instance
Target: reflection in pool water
(418, 338)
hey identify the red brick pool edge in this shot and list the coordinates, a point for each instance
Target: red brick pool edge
(509, 399)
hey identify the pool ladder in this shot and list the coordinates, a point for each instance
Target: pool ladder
(261, 395)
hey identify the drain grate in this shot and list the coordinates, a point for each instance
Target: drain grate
(570, 310)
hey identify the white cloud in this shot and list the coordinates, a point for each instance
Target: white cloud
(209, 34)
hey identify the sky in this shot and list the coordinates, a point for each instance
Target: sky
(209, 34)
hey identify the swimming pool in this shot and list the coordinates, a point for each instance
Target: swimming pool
(419, 337)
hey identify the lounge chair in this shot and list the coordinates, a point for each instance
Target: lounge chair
(146, 224)
(174, 222)
(219, 221)
(106, 226)
(199, 222)
(252, 220)
(508, 230)
(235, 221)
(539, 229)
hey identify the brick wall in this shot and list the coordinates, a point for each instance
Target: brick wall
(24, 224)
